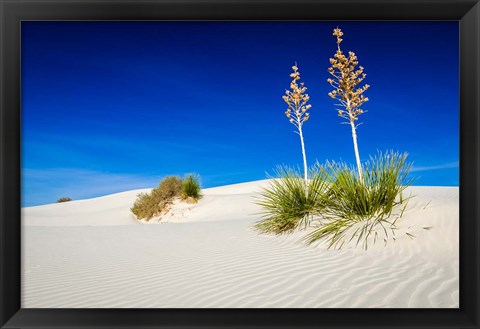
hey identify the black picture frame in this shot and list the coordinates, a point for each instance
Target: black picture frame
(467, 12)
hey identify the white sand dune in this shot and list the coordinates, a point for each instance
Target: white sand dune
(93, 253)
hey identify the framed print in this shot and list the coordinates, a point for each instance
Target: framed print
(239, 164)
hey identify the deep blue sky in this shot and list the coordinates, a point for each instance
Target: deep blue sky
(114, 106)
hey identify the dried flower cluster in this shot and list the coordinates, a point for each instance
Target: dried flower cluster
(346, 80)
(297, 100)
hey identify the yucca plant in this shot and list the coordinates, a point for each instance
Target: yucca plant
(191, 187)
(297, 99)
(347, 90)
(290, 202)
(357, 206)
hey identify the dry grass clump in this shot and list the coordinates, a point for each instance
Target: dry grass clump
(160, 199)
(64, 199)
(169, 187)
(149, 205)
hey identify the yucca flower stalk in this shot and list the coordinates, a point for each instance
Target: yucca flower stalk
(346, 80)
(297, 99)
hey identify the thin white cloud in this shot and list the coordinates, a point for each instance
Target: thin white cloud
(436, 167)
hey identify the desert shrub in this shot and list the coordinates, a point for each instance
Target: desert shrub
(355, 207)
(169, 187)
(191, 187)
(152, 204)
(290, 202)
(146, 206)
(64, 199)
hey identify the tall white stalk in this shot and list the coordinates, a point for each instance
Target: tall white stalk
(305, 170)
(355, 147)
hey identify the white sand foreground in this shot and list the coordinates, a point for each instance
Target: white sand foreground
(93, 253)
